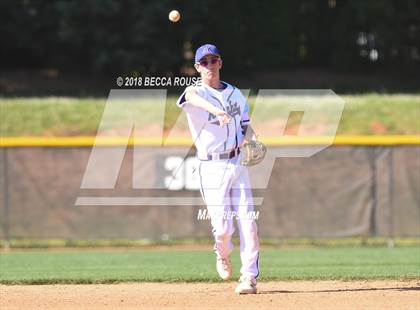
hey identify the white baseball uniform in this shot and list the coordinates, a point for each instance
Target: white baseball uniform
(225, 185)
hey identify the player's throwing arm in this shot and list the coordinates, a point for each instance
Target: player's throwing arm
(196, 100)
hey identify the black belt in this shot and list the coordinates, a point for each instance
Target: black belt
(227, 155)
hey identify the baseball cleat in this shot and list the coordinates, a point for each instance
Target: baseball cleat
(224, 268)
(247, 285)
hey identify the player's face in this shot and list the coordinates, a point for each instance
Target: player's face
(209, 66)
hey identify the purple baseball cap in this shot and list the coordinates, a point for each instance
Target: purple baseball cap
(204, 50)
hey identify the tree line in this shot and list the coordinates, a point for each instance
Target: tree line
(132, 35)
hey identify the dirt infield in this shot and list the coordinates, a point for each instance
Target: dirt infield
(272, 295)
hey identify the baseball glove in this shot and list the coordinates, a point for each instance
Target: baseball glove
(253, 152)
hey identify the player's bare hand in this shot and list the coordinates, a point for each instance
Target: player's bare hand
(223, 118)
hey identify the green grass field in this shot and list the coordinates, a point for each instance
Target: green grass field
(37, 267)
(59, 116)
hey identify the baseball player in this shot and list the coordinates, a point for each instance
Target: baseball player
(217, 114)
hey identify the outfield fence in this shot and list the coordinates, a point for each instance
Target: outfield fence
(360, 186)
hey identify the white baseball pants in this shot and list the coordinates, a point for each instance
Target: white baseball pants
(225, 188)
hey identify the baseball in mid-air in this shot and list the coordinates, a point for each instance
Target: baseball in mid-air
(174, 16)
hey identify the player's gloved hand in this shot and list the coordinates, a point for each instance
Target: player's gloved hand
(223, 118)
(253, 152)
